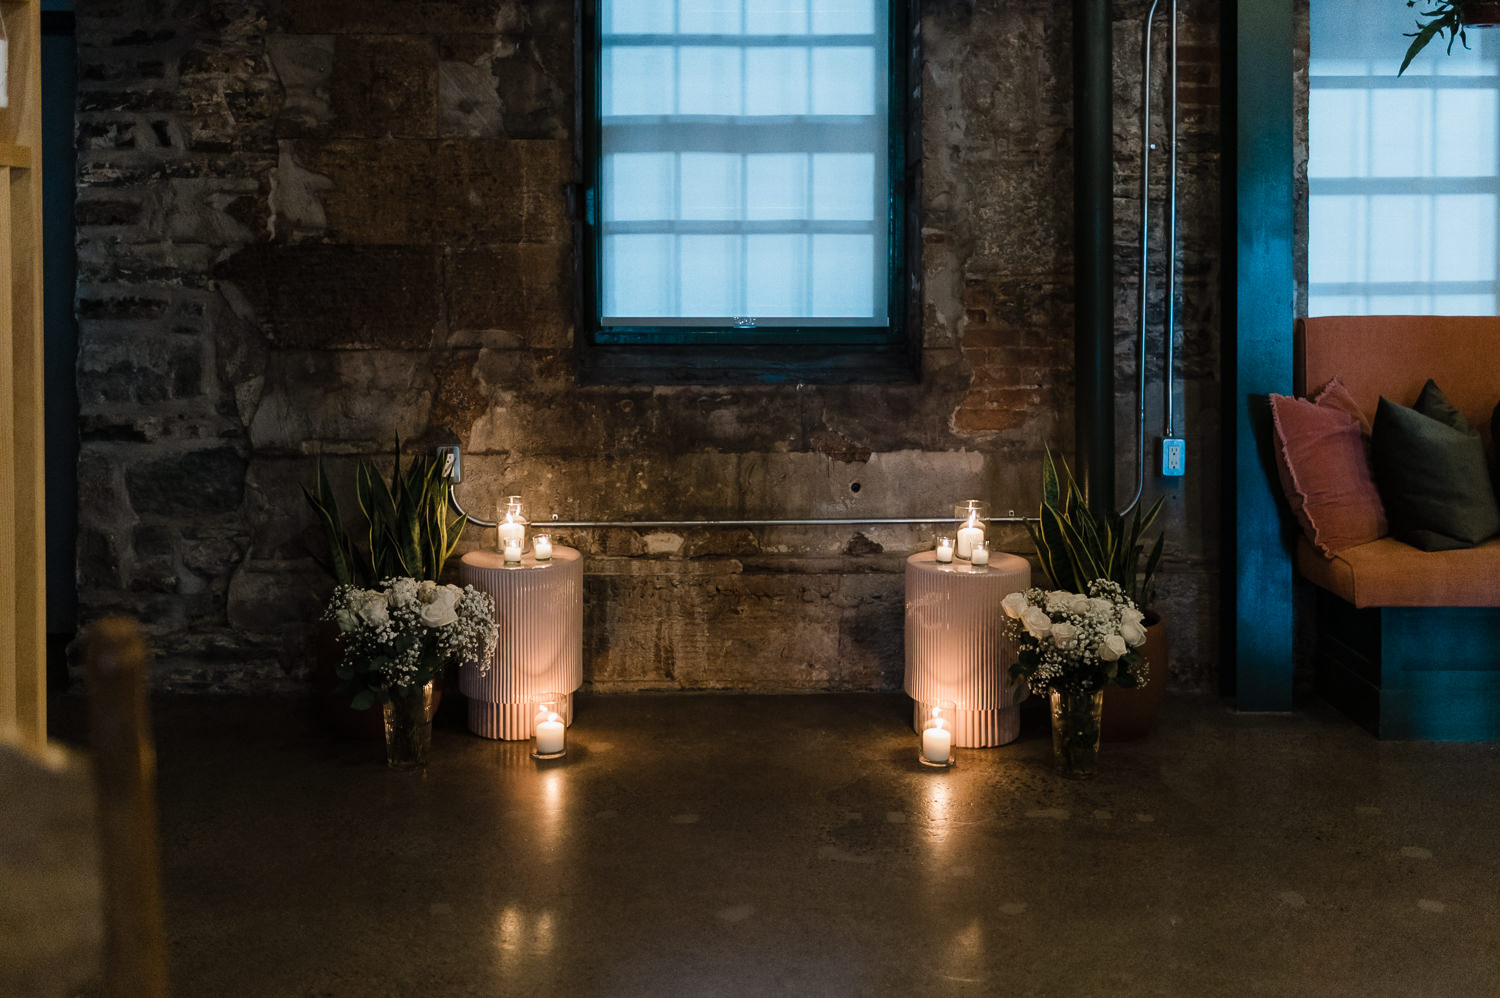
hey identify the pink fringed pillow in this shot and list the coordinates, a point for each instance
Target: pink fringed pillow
(1323, 458)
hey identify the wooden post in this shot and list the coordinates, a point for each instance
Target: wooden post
(135, 948)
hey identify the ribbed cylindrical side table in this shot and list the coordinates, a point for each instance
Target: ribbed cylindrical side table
(539, 608)
(955, 647)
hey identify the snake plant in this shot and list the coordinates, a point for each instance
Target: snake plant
(1076, 545)
(406, 531)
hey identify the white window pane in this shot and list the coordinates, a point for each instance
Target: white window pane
(776, 81)
(1464, 133)
(1338, 234)
(1398, 305)
(1465, 251)
(637, 17)
(1463, 304)
(776, 17)
(1401, 134)
(1400, 238)
(843, 186)
(639, 186)
(776, 186)
(639, 81)
(843, 17)
(710, 80)
(1335, 305)
(843, 81)
(707, 17)
(637, 271)
(710, 186)
(776, 275)
(842, 275)
(1338, 119)
(710, 266)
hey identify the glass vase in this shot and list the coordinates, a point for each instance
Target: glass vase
(408, 726)
(1075, 732)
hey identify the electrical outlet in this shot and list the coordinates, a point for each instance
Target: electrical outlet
(1173, 457)
(452, 464)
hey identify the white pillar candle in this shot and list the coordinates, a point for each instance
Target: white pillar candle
(511, 532)
(512, 553)
(980, 555)
(5, 71)
(945, 549)
(937, 743)
(549, 735)
(969, 534)
(542, 548)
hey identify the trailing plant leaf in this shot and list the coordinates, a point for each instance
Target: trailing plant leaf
(1445, 16)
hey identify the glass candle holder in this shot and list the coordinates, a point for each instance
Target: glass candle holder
(972, 515)
(935, 741)
(945, 549)
(512, 526)
(549, 727)
(980, 556)
(541, 547)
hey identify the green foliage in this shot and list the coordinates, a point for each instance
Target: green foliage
(406, 532)
(1444, 16)
(1076, 546)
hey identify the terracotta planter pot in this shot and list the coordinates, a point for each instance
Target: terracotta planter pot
(1481, 15)
(1130, 714)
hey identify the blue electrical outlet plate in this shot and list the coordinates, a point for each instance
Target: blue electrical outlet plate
(1173, 457)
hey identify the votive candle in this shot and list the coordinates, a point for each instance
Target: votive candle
(541, 547)
(980, 556)
(945, 549)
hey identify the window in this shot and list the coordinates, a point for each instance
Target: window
(743, 161)
(1403, 172)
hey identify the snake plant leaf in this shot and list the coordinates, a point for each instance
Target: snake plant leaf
(1051, 493)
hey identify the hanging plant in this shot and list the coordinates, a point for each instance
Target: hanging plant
(1450, 18)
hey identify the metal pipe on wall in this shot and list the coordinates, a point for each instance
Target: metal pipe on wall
(1093, 248)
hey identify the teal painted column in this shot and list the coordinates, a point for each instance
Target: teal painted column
(1257, 350)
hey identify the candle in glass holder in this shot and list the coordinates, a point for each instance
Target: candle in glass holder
(541, 547)
(945, 549)
(937, 736)
(512, 554)
(980, 556)
(969, 534)
(512, 526)
(549, 732)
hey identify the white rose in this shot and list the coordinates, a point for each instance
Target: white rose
(426, 590)
(1112, 648)
(1130, 615)
(347, 619)
(1036, 622)
(1064, 634)
(443, 610)
(372, 611)
(1133, 634)
(400, 593)
(1014, 604)
(1058, 601)
(1078, 604)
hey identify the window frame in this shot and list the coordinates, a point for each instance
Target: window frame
(771, 352)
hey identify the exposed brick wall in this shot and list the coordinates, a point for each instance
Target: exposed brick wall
(311, 227)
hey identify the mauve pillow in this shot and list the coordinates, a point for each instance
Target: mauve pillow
(1325, 472)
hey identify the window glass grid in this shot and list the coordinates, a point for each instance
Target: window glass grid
(1403, 172)
(758, 188)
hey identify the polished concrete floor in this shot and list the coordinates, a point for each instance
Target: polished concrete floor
(728, 845)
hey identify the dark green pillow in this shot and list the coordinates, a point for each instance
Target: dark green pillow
(1432, 478)
(1432, 402)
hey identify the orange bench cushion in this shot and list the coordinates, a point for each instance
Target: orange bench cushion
(1387, 572)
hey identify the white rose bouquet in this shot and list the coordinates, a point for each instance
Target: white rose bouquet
(1074, 642)
(405, 632)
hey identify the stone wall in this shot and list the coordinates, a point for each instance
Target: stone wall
(310, 228)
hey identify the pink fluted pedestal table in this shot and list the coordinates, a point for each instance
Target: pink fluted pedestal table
(956, 648)
(539, 607)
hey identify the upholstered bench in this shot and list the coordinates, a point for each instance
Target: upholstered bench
(1408, 640)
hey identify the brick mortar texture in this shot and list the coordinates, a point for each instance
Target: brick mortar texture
(309, 228)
